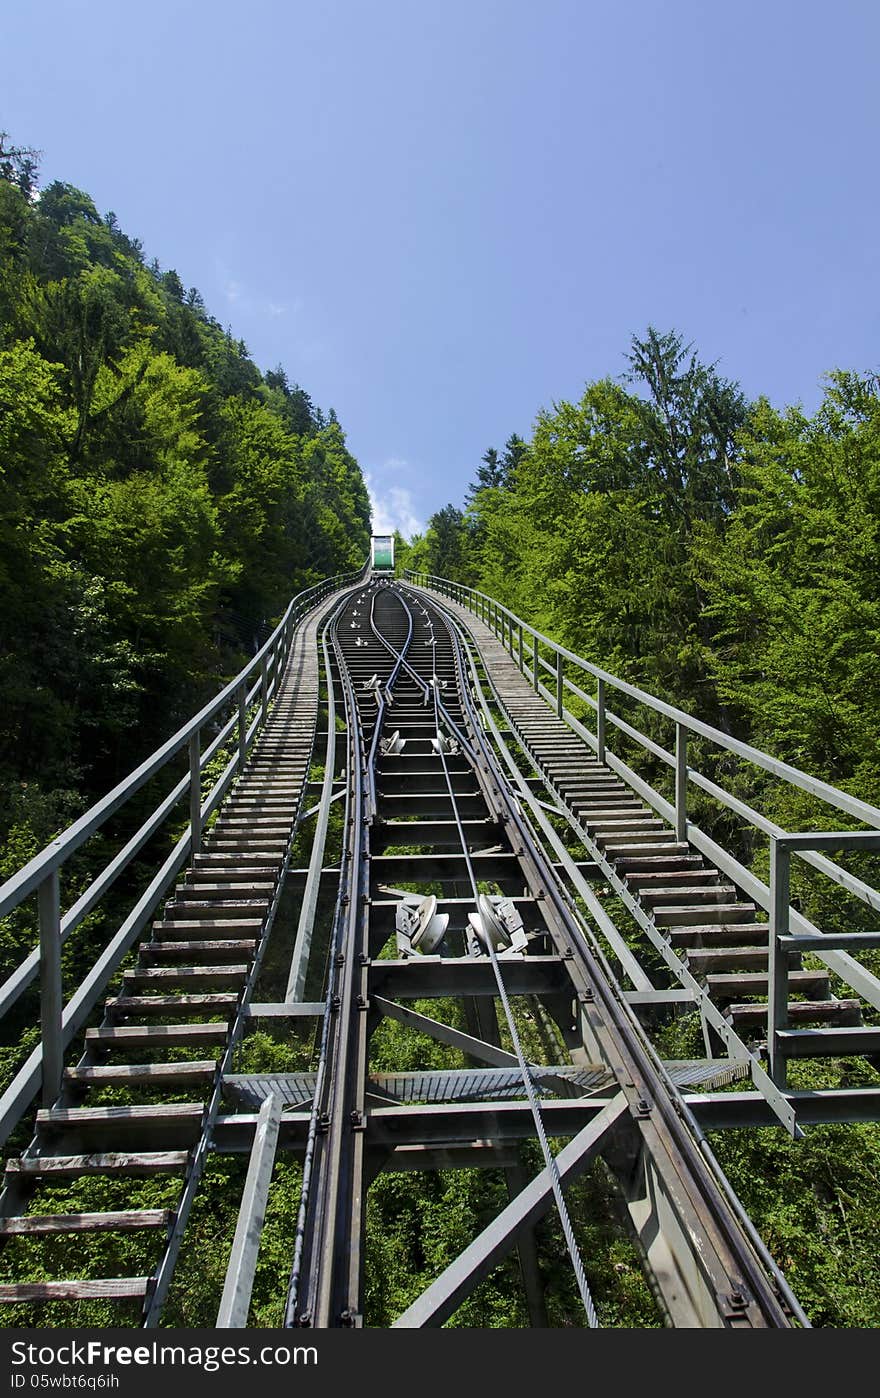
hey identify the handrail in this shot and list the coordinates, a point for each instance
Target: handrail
(511, 631)
(861, 810)
(42, 872)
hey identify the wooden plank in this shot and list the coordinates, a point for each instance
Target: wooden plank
(156, 1035)
(94, 1289)
(196, 1070)
(171, 1004)
(120, 1221)
(116, 1163)
(95, 1116)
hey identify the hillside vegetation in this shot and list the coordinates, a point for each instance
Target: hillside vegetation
(161, 499)
(724, 555)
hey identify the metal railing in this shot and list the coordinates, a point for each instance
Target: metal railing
(241, 709)
(549, 667)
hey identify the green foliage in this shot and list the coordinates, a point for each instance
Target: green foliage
(160, 499)
(724, 556)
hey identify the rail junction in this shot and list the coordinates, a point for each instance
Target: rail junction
(472, 839)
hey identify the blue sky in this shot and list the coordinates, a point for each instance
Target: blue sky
(441, 217)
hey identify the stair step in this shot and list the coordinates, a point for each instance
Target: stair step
(151, 1162)
(838, 1011)
(209, 887)
(155, 951)
(94, 1289)
(720, 934)
(683, 916)
(224, 869)
(174, 1124)
(671, 863)
(171, 1004)
(620, 822)
(697, 894)
(217, 908)
(186, 928)
(672, 878)
(137, 1074)
(826, 1043)
(723, 987)
(654, 842)
(123, 1221)
(244, 844)
(167, 976)
(149, 1036)
(701, 959)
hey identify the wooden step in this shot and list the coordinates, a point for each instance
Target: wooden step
(121, 1221)
(837, 1011)
(185, 929)
(604, 830)
(156, 1036)
(167, 951)
(224, 870)
(697, 894)
(704, 959)
(653, 842)
(172, 1126)
(672, 878)
(153, 1162)
(686, 915)
(209, 887)
(185, 976)
(218, 908)
(724, 987)
(144, 1074)
(672, 863)
(236, 843)
(172, 1004)
(92, 1289)
(720, 934)
(828, 1043)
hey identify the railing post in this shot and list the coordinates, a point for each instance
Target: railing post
(195, 794)
(242, 726)
(600, 720)
(521, 666)
(264, 691)
(49, 901)
(777, 985)
(536, 668)
(559, 683)
(681, 776)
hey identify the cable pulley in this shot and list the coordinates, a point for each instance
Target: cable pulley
(497, 923)
(420, 928)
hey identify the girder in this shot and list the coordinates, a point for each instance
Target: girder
(454, 783)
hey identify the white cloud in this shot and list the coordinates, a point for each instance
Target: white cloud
(243, 299)
(393, 506)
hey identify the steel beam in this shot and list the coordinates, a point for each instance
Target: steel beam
(236, 1299)
(444, 1296)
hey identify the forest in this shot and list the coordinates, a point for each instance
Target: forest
(161, 500)
(723, 554)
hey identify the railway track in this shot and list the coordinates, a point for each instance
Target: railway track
(456, 885)
(432, 812)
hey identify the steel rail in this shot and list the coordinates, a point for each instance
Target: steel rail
(527, 797)
(624, 1038)
(528, 1083)
(525, 1069)
(326, 1263)
(863, 981)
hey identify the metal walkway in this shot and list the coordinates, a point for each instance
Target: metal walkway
(496, 856)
